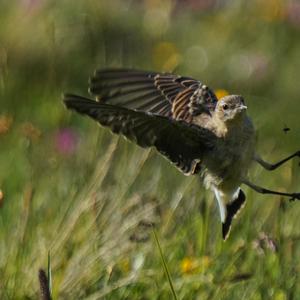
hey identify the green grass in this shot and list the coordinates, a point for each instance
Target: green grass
(90, 204)
(167, 272)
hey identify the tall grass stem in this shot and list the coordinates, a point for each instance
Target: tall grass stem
(164, 264)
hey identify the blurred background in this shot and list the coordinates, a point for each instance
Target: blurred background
(72, 188)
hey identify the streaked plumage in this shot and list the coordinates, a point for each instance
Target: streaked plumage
(165, 94)
(184, 121)
(147, 130)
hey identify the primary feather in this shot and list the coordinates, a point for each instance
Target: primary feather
(183, 144)
(164, 94)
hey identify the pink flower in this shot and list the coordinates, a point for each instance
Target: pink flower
(66, 141)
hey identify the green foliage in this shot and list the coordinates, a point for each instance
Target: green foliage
(73, 190)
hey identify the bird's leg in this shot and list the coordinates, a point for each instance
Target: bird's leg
(272, 167)
(266, 191)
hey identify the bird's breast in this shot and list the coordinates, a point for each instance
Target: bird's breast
(229, 161)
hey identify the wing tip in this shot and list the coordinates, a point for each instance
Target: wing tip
(68, 98)
(76, 102)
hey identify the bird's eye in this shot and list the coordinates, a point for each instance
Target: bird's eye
(225, 106)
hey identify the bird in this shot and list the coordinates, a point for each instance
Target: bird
(184, 121)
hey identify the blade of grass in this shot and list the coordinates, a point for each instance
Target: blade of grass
(49, 275)
(164, 264)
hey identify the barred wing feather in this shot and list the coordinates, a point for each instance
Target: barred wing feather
(183, 144)
(163, 94)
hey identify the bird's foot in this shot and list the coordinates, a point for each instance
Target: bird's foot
(295, 196)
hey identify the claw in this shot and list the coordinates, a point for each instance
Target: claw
(295, 196)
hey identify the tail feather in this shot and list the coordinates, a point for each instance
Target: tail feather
(233, 208)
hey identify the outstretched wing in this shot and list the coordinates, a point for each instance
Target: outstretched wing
(165, 94)
(181, 143)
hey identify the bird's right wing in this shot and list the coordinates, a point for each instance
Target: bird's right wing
(183, 144)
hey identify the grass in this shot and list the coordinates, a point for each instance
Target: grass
(73, 190)
(165, 265)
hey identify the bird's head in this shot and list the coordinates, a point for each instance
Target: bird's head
(231, 108)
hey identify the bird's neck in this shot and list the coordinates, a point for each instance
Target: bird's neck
(228, 128)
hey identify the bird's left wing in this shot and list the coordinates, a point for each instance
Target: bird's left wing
(164, 94)
(183, 144)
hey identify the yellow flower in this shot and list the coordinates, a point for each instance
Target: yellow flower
(188, 265)
(220, 93)
(192, 265)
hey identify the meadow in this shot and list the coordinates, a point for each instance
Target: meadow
(90, 199)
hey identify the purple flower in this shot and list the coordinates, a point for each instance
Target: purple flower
(66, 141)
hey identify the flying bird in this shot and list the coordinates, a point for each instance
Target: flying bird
(183, 119)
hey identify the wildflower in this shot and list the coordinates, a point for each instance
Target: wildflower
(5, 123)
(220, 93)
(187, 265)
(66, 141)
(190, 265)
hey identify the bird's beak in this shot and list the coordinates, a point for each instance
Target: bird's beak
(242, 107)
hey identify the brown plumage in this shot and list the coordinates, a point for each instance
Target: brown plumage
(164, 94)
(182, 118)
